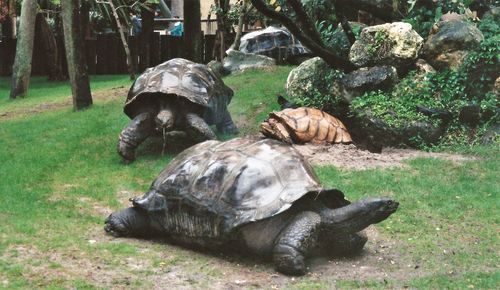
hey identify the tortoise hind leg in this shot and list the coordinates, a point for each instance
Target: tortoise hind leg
(141, 127)
(197, 128)
(295, 243)
(226, 125)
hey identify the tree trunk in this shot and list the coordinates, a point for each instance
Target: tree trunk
(147, 18)
(124, 40)
(21, 71)
(47, 40)
(239, 29)
(75, 54)
(223, 29)
(13, 18)
(192, 30)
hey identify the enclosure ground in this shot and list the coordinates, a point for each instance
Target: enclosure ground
(61, 177)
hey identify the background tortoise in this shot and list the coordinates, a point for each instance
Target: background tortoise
(303, 125)
(260, 197)
(274, 42)
(176, 95)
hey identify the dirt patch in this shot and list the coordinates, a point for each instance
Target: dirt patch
(108, 94)
(156, 264)
(352, 158)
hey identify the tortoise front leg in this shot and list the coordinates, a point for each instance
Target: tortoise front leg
(295, 242)
(141, 127)
(197, 128)
(342, 245)
(226, 125)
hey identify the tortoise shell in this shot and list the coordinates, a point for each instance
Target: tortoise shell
(305, 125)
(274, 42)
(191, 81)
(237, 182)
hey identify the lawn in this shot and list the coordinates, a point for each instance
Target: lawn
(60, 176)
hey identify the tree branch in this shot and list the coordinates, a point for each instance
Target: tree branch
(345, 26)
(328, 56)
(303, 19)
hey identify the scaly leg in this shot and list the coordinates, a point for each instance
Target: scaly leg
(295, 242)
(197, 129)
(226, 126)
(141, 127)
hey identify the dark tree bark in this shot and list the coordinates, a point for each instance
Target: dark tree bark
(302, 30)
(48, 43)
(21, 71)
(75, 54)
(223, 29)
(192, 30)
(147, 19)
(345, 26)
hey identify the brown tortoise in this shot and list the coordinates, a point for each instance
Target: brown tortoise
(302, 125)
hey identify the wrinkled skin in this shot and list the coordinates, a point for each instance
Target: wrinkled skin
(288, 238)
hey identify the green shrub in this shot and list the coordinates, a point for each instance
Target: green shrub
(328, 98)
(481, 67)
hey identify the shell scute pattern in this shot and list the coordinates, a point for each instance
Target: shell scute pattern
(307, 125)
(240, 181)
(182, 78)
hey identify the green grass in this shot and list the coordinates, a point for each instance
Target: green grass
(59, 174)
(45, 92)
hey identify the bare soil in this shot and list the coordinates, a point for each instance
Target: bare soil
(159, 264)
(352, 158)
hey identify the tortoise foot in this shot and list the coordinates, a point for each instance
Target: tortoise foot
(289, 261)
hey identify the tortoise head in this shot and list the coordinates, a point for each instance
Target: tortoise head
(359, 215)
(379, 208)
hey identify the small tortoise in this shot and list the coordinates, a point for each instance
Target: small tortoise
(302, 125)
(274, 42)
(176, 95)
(254, 196)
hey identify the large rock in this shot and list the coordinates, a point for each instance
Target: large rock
(275, 42)
(315, 84)
(366, 79)
(237, 61)
(449, 43)
(395, 44)
(310, 79)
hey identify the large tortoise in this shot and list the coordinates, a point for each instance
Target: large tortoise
(302, 125)
(274, 42)
(256, 196)
(176, 95)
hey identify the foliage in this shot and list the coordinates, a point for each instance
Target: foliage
(328, 98)
(481, 67)
(422, 16)
(441, 90)
(320, 11)
(490, 25)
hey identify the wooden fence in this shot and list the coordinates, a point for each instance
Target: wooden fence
(105, 53)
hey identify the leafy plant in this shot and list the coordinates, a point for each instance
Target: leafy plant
(326, 99)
